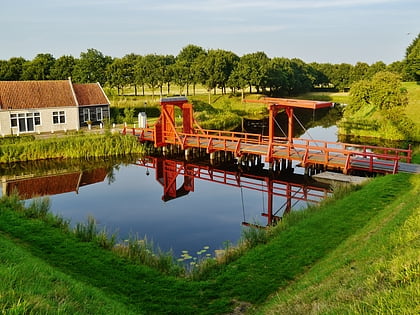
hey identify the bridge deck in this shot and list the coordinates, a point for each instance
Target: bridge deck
(330, 155)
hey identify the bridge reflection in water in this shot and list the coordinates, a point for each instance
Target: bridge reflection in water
(177, 178)
(281, 189)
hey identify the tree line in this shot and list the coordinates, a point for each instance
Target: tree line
(213, 68)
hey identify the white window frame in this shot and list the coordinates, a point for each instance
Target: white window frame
(23, 120)
(59, 116)
(86, 114)
(99, 114)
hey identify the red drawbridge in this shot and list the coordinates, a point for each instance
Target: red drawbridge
(316, 154)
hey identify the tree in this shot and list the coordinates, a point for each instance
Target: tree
(185, 65)
(340, 76)
(119, 74)
(375, 68)
(215, 69)
(302, 79)
(12, 69)
(383, 92)
(91, 67)
(152, 70)
(412, 59)
(63, 68)
(397, 67)
(130, 61)
(167, 71)
(387, 92)
(140, 73)
(320, 77)
(39, 68)
(358, 72)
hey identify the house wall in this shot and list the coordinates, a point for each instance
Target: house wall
(90, 113)
(47, 124)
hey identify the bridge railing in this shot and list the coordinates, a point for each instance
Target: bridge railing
(403, 155)
(373, 162)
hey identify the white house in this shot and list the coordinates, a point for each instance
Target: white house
(50, 106)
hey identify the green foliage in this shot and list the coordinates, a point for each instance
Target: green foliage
(91, 67)
(412, 59)
(89, 232)
(142, 251)
(379, 105)
(39, 68)
(129, 115)
(387, 91)
(221, 121)
(384, 91)
(77, 146)
(253, 236)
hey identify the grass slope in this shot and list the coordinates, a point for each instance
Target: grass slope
(375, 271)
(307, 243)
(369, 121)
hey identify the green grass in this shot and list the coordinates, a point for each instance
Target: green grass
(360, 231)
(370, 122)
(71, 146)
(374, 271)
(30, 285)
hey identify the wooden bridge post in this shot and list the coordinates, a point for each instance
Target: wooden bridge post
(289, 112)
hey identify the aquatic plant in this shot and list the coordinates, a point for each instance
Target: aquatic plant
(88, 232)
(143, 251)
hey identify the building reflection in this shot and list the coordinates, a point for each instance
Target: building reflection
(53, 177)
(177, 178)
(52, 184)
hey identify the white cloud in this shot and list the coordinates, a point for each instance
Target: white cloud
(221, 5)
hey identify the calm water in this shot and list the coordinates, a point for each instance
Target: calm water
(128, 199)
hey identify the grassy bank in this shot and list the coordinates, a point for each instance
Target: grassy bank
(369, 121)
(26, 148)
(374, 271)
(348, 256)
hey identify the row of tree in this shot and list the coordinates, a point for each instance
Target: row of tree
(213, 68)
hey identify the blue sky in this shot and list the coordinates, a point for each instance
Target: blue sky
(333, 31)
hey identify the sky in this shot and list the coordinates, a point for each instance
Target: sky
(334, 31)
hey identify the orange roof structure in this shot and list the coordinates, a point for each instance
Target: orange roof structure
(286, 102)
(36, 94)
(49, 93)
(90, 94)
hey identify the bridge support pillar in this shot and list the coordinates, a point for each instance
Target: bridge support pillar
(187, 154)
(212, 157)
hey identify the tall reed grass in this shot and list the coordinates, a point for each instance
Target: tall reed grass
(77, 146)
(89, 232)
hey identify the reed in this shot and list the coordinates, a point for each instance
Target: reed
(89, 232)
(142, 251)
(77, 146)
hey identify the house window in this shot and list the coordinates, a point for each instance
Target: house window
(86, 115)
(59, 117)
(25, 122)
(99, 116)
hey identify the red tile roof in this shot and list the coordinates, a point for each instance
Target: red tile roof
(36, 94)
(90, 94)
(44, 94)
